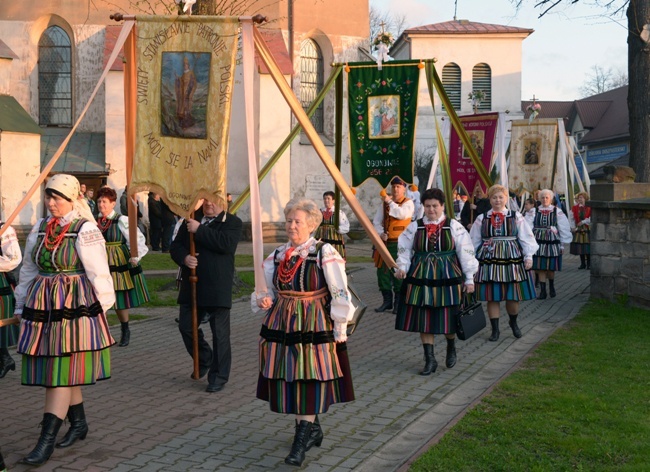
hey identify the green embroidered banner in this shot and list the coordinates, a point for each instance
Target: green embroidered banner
(382, 105)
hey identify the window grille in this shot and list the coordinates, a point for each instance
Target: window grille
(451, 82)
(311, 80)
(55, 78)
(482, 80)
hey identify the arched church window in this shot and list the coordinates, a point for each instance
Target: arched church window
(311, 80)
(451, 82)
(482, 80)
(55, 78)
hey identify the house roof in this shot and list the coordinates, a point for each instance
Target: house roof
(13, 117)
(6, 52)
(275, 42)
(112, 33)
(466, 27)
(549, 109)
(84, 154)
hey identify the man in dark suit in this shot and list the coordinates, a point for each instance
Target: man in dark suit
(216, 235)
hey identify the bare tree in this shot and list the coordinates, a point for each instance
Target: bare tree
(638, 71)
(381, 20)
(601, 80)
(422, 162)
(201, 7)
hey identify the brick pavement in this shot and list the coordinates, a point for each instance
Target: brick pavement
(152, 417)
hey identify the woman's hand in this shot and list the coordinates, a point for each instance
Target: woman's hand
(133, 261)
(468, 287)
(400, 274)
(528, 263)
(264, 303)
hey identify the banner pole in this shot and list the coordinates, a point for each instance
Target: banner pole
(319, 147)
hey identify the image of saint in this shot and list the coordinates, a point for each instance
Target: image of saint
(383, 117)
(532, 154)
(185, 88)
(475, 139)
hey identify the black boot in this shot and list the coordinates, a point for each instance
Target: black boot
(126, 334)
(451, 353)
(495, 329)
(551, 288)
(78, 426)
(2, 463)
(516, 332)
(45, 445)
(396, 303)
(430, 363)
(299, 446)
(316, 435)
(542, 291)
(588, 257)
(6, 363)
(388, 301)
(582, 262)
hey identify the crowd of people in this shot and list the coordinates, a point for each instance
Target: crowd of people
(78, 265)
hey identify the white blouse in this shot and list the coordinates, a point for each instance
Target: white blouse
(90, 246)
(562, 222)
(462, 241)
(344, 223)
(525, 235)
(123, 225)
(11, 256)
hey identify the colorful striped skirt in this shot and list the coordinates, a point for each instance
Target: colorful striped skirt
(79, 368)
(130, 286)
(581, 243)
(548, 256)
(329, 234)
(302, 369)
(8, 334)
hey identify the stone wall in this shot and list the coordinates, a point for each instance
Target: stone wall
(620, 243)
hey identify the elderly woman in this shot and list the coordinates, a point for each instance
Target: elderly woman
(10, 258)
(551, 229)
(436, 259)
(504, 245)
(304, 365)
(130, 286)
(64, 291)
(580, 221)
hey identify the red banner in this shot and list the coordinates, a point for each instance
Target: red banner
(481, 130)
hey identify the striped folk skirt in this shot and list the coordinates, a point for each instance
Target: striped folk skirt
(501, 274)
(8, 334)
(548, 256)
(79, 368)
(329, 234)
(302, 370)
(130, 286)
(581, 242)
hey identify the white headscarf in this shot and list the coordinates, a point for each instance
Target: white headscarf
(68, 186)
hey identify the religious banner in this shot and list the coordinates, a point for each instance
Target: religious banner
(382, 108)
(185, 70)
(481, 130)
(532, 155)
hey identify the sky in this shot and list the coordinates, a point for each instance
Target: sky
(557, 58)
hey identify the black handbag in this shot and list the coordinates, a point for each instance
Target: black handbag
(470, 319)
(359, 309)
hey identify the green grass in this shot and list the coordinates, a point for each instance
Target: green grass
(160, 261)
(579, 402)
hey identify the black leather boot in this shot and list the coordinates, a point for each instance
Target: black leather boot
(2, 463)
(551, 288)
(516, 332)
(316, 435)
(542, 291)
(430, 363)
(78, 426)
(388, 301)
(6, 362)
(299, 446)
(126, 334)
(45, 445)
(450, 361)
(495, 329)
(582, 262)
(396, 303)
(588, 257)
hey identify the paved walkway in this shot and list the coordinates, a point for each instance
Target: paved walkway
(152, 417)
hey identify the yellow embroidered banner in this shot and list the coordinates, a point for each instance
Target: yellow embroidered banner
(532, 154)
(185, 69)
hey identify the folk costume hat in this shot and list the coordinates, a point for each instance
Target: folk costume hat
(67, 186)
(397, 181)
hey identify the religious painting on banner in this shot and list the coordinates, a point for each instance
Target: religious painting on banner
(481, 130)
(382, 113)
(532, 155)
(185, 71)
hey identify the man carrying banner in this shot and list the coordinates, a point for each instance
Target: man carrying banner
(391, 219)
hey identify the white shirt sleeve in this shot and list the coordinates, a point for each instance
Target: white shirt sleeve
(11, 255)
(123, 225)
(378, 220)
(268, 266)
(475, 232)
(464, 250)
(344, 224)
(405, 246)
(91, 247)
(526, 238)
(341, 308)
(563, 227)
(28, 270)
(403, 211)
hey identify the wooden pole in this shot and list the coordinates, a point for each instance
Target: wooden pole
(312, 135)
(195, 312)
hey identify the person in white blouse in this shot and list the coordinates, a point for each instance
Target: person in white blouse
(304, 366)
(436, 258)
(130, 286)
(327, 231)
(10, 258)
(551, 229)
(504, 245)
(64, 292)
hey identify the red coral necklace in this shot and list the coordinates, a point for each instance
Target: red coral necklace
(52, 240)
(104, 223)
(286, 273)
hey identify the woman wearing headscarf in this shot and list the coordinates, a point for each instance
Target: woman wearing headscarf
(580, 215)
(10, 258)
(304, 366)
(64, 290)
(551, 229)
(128, 280)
